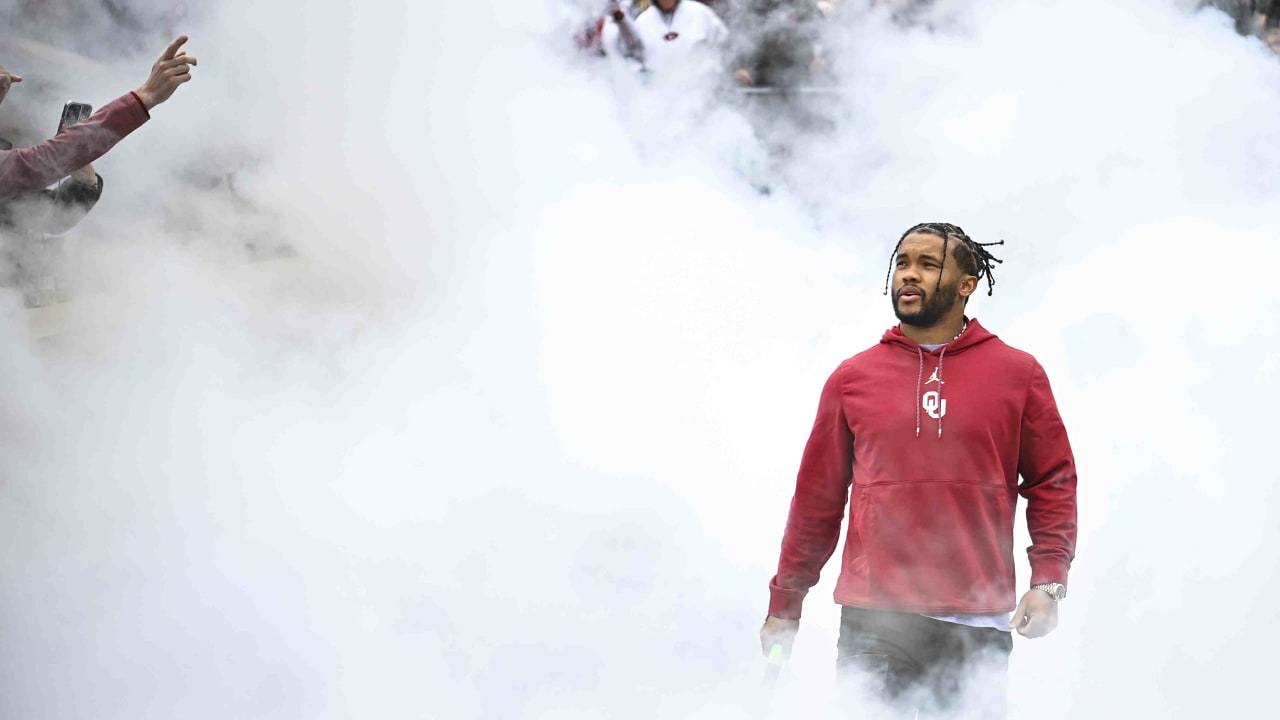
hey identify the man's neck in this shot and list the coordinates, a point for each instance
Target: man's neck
(944, 332)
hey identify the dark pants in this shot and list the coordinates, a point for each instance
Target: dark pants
(901, 663)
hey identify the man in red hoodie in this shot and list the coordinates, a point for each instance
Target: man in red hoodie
(924, 437)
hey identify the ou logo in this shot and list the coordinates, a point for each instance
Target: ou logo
(934, 406)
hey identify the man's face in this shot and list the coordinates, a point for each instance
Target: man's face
(917, 298)
(667, 5)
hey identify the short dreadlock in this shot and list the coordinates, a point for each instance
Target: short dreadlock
(974, 258)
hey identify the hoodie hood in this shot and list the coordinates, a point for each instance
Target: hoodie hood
(974, 334)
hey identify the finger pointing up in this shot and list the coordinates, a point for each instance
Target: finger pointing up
(171, 51)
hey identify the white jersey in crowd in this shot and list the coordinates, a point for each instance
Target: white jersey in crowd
(671, 37)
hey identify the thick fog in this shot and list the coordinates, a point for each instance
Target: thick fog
(483, 393)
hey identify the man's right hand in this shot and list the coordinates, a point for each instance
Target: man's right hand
(171, 70)
(778, 631)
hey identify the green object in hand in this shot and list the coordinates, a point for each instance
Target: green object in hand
(775, 655)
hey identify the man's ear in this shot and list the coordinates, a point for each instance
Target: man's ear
(967, 286)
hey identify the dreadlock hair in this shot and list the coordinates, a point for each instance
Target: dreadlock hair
(973, 256)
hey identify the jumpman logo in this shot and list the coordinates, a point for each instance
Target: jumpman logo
(934, 378)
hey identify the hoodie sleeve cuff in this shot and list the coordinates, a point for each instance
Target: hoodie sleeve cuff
(1049, 571)
(146, 114)
(784, 603)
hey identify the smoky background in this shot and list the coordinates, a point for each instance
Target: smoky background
(510, 430)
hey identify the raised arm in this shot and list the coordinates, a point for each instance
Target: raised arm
(628, 35)
(30, 169)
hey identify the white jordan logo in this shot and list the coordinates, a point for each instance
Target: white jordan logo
(934, 378)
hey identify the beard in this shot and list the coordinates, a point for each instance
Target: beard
(933, 306)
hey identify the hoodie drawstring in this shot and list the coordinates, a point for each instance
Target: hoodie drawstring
(941, 411)
(919, 388)
(940, 407)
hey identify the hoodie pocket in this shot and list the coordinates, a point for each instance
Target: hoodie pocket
(938, 544)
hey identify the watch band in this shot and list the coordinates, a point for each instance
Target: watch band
(1057, 591)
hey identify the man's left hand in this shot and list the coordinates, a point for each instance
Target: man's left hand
(1036, 616)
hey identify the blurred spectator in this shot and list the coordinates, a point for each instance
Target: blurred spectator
(31, 226)
(51, 211)
(29, 211)
(1271, 10)
(670, 31)
(618, 30)
(588, 36)
(778, 43)
(31, 169)
(1241, 12)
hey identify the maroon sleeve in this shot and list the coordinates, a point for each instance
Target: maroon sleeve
(817, 509)
(29, 169)
(1048, 472)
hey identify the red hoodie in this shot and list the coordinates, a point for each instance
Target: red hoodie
(932, 443)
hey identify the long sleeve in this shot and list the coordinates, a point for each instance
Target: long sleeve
(30, 169)
(629, 40)
(817, 509)
(1048, 473)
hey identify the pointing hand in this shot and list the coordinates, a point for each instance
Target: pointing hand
(171, 70)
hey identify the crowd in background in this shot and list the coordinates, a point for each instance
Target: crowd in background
(778, 44)
(771, 50)
(779, 58)
(767, 43)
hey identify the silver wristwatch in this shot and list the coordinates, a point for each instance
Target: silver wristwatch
(1057, 591)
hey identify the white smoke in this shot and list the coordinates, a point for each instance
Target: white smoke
(514, 434)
